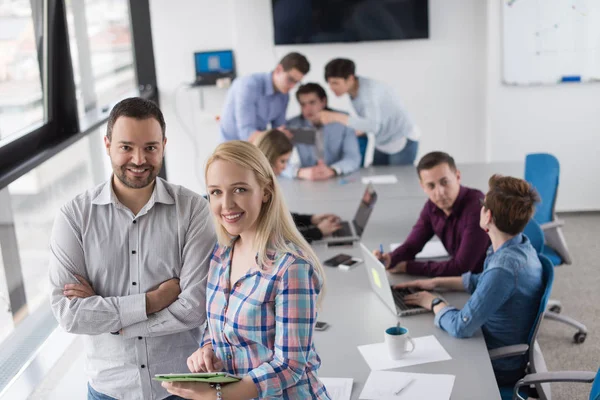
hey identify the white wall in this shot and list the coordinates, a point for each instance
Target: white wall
(180, 28)
(560, 119)
(449, 83)
(439, 80)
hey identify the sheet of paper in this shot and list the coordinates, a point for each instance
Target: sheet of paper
(338, 388)
(382, 385)
(380, 179)
(432, 249)
(427, 349)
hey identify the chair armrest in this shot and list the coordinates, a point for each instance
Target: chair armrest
(558, 223)
(508, 351)
(549, 377)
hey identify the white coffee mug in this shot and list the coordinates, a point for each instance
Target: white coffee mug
(399, 342)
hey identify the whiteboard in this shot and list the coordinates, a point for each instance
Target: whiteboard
(550, 41)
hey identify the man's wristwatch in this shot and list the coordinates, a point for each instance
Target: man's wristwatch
(435, 302)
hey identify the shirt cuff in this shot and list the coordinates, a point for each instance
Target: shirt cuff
(265, 383)
(440, 314)
(132, 309)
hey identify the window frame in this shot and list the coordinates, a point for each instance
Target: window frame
(22, 152)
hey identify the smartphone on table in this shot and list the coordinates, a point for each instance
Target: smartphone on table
(321, 326)
(337, 260)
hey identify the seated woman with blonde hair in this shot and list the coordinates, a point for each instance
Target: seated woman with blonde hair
(265, 284)
(277, 147)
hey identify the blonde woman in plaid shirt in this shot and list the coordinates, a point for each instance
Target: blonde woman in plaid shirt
(264, 287)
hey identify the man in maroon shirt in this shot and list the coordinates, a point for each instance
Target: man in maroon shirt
(451, 213)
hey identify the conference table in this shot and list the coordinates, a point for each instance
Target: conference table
(355, 314)
(474, 175)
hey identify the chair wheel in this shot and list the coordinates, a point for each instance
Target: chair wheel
(555, 309)
(579, 337)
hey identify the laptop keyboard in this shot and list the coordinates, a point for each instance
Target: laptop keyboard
(344, 231)
(399, 299)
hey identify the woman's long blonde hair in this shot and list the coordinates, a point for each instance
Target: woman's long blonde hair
(275, 227)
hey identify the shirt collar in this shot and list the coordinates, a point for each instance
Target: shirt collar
(106, 195)
(258, 267)
(160, 194)
(459, 202)
(268, 83)
(518, 239)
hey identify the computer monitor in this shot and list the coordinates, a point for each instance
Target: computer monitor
(213, 65)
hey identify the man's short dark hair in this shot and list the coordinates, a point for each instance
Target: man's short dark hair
(138, 108)
(311, 88)
(295, 61)
(433, 159)
(340, 68)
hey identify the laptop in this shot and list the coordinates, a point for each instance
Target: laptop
(351, 231)
(213, 65)
(392, 298)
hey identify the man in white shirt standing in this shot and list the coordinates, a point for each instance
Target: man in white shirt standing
(129, 263)
(379, 111)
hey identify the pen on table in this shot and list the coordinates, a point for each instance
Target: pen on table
(407, 385)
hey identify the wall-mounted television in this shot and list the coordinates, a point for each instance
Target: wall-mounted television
(335, 21)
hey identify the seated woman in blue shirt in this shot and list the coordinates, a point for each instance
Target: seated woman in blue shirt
(505, 297)
(276, 146)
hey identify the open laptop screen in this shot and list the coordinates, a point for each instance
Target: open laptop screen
(365, 209)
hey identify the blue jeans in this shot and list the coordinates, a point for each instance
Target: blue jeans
(406, 156)
(94, 395)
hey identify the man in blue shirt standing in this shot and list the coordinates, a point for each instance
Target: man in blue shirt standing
(379, 112)
(335, 151)
(256, 100)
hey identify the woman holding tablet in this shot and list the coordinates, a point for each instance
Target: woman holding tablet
(264, 287)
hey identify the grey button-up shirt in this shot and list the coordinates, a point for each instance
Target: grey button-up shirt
(124, 256)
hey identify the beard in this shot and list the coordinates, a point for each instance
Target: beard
(120, 172)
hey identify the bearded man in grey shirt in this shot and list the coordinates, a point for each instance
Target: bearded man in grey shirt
(129, 263)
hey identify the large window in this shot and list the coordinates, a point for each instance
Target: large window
(35, 198)
(102, 51)
(63, 63)
(21, 96)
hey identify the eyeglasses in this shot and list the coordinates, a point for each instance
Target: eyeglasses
(291, 80)
(482, 202)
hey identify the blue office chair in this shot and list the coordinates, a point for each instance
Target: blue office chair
(534, 232)
(530, 348)
(543, 171)
(543, 379)
(363, 142)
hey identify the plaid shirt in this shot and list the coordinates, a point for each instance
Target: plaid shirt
(264, 325)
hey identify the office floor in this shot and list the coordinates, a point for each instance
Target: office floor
(575, 285)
